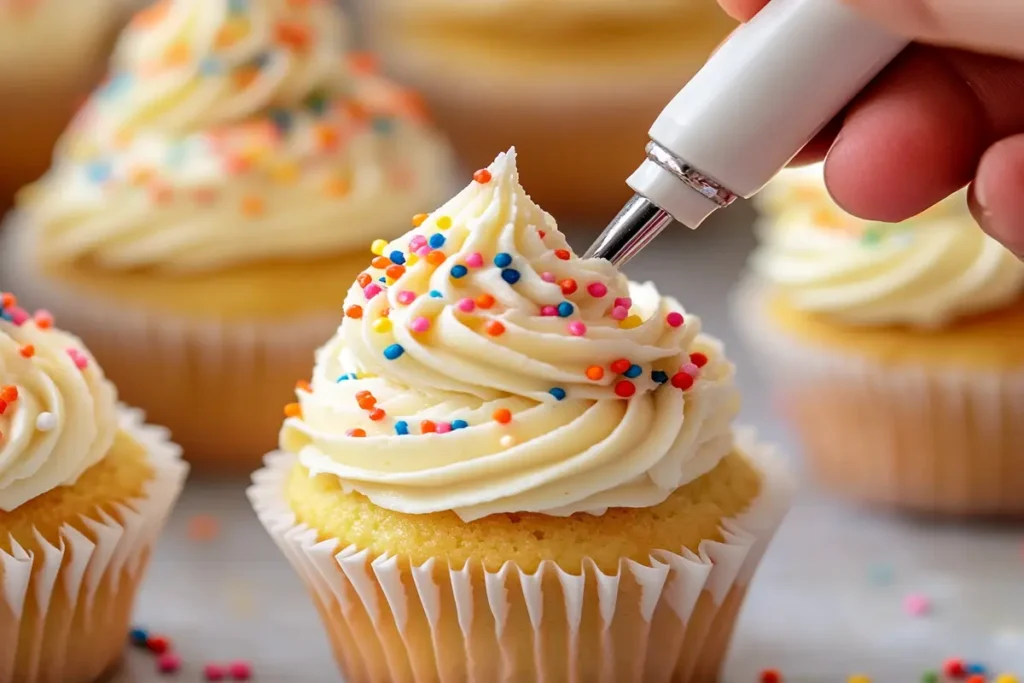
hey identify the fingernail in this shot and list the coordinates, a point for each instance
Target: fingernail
(1006, 232)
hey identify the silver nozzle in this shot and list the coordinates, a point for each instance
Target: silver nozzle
(639, 222)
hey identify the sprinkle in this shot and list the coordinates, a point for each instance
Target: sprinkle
(459, 424)
(46, 422)
(214, 672)
(597, 289)
(577, 329)
(494, 328)
(510, 275)
(365, 400)
(381, 262)
(285, 173)
(436, 240)
(427, 427)
(336, 186)
(377, 414)
(503, 260)
(292, 35)
(9, 393)
(624, 302)
(698, 359)
(168, 663)
(507, 441)
(858, 678)
(327, 138)
(631, 322)
(1007, 678)
(625, 388)
(548, 311)
(80, 361)
(917, 605)
(976, 679)
(620, 366)
(466, 305)
(293, 410)
(401, 428)
(436, 258)
(443, 427)
(394, 272)
(681, 380)
(394, 352)
(381, 326)
(633, 372)
(568, 286)
(458, 271)
(619, 313)
(976, 668)
(8, 300)
(659, 376)
(253, 206)
(444, 222)
(502, 415)
(364, 279)
(417, 241)
(770, 676)
(372, 290)
(595, 373)
(158, 644)
(203, 528)
(557, 392)
(434, 294)
(565, 309)
(690, 369)
(485, 301)
(674, 319)
(406, 297)
(419, 324)
(563, 254)
(356, 433)
(354, 311)
(548, 277)
(397, 257)
(346, 376)
(27, 351)
(419, 219)
(138, 637)
(483, 176)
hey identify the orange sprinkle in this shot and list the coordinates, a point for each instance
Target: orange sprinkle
(427, 427)
(293, 410)
(230, 33)
(326, 137)
(363, 62)
(435, 258)
(354, 311)
(177, 54)
(485, 301)
(43, 320)
(394, 272)
(357, 432)
(502, 415)
(298, 4)
(595, 372)
(9, 300)
(364, 279)
(483, 176)
(377, 414)
(380, 262)
(367, 402)
(337, 187)
(293, 35)
(245, 77)
(28, 351)
(494, 328)
(140, 175)
(418, 219)
(9, 393)
(160, 193)
(356, 110)
(303, 385)
(3, 406)
(385, 313)
(253, 206)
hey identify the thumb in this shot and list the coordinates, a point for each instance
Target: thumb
(991, 26)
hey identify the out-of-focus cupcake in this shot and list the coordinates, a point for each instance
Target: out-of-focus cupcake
(208, 208)
(574, 84)
(514, 465)
(895, 349)
(52, 52)
(85, 488)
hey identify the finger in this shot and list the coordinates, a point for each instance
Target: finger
(742, 10)
(816, 149)
(992, 26)
(998, 193)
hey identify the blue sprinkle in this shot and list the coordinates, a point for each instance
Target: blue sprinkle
(459, 424)
(282, 119)
(397, 257)
(557, 392)
(401, 428)
(436, 240)
(394, 352)
(210, 66)
(6, 316)
(98, 171)
(976, 669)
(659, 376)
(633, 372)
(383, 125)
(346, 376)
(503, 260)
(510, 275)
(138, 637)
(383, 279)
(436, 294)
(565, 309)
(459, 271)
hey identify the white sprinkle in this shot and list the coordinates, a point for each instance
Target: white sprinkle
(46, 421)
(508, 441)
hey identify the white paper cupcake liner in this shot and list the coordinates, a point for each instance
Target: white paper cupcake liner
(668, 619)
(930, 438)
(78, 574)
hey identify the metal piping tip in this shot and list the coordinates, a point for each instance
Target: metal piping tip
(639, 222)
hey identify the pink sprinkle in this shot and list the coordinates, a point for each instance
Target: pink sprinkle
(405, 297)
(371, 290)
(417, 242)
(624, 301)
(168, 663)
(474, 260)
(80, 361)
(597, 289)
(619, 313)
(43, 318)
(444, 427)
(466, 305)
(547, 277)
(19, 316)
(548, 310)
(420, 324)
(690, 369)
(674, 319)
(577, 329)
(423, 251)
(214, 672)
(240, 670)
(917, 605)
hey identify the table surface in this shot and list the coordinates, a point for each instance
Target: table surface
(827, 602)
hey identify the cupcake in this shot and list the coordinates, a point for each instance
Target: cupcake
(52, 53)
(574, 84)
(85, 487)
(512, 464)
(212, 201)
(893, 348)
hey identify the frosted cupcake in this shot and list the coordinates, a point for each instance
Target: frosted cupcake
(52, 52)
(894, 349)
(574, 84)
(513, 465)
(85, 488)
(213, 200)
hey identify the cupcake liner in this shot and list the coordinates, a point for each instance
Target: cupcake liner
(928, 439)
(668, 619)
(65, 608)
(219, 386)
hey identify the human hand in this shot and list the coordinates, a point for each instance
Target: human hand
(938, 119)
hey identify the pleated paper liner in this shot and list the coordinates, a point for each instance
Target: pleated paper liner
(65, 608)
(669, 619)
(931, 439)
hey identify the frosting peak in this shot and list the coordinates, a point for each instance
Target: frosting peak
(483, 367)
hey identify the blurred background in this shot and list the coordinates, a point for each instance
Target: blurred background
(574, 85)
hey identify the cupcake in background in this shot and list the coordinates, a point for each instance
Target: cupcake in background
(51, 54)
(85, 487)
(894, 349)
(573, 84)
(514, 465)
(209, 207)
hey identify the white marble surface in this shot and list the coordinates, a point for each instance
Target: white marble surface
(819, 609)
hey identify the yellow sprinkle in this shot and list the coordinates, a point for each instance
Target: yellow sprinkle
(381, 325)
(444, 222)
(631, 322)
(411, 260)
(1007, 678)
(418, 219)
(285, 173)
(378, 247)
(389, 280)
(858, 679)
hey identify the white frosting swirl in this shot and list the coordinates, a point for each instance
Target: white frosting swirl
(59, 414)
(232, 131)
(495, 374)
(923, 272)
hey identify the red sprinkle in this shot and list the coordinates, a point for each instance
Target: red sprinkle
(240, 671)
(214, 672)
(681, 380)
(563, 254)
(771, 676)
(698, 359)
(674, 319)
(377, 414)
(625, 388)
(954, 668)
(482, 176)
(158, 644)
(620, 366)
(568, 286)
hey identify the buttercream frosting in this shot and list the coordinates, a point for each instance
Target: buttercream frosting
(482, 367)
(923, 272)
